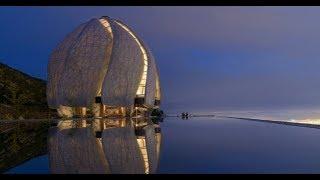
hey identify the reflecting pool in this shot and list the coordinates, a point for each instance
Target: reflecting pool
(194, 145)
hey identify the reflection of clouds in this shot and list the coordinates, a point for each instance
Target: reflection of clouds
(124, 146)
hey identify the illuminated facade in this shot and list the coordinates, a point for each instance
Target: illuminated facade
(102, 67)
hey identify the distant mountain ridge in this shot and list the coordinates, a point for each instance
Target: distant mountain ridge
(21, 95)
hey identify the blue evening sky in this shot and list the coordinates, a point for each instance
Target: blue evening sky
(209, 57)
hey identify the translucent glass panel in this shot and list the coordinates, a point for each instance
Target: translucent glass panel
(106, 24)
(142, 85)
(157, 96)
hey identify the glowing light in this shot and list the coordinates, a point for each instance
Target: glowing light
(306, 121)
(157, 89)
(142, 85)
(106, 24)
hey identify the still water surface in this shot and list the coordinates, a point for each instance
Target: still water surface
(226, 145)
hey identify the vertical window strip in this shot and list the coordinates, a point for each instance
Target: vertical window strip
(107, 26)
(142, 84)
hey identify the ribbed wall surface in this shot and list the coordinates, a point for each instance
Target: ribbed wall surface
(56, 66)
(86, 66)
(125, 69)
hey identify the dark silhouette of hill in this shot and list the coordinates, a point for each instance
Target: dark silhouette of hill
(21, 95)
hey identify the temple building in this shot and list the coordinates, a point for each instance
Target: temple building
(102, 68)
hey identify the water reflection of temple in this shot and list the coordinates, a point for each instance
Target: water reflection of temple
(123, 146)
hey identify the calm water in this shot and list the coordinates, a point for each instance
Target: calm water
(224, 145)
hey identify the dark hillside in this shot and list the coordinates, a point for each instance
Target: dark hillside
(21, 95)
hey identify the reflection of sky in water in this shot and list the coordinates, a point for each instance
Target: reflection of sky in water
(37, 165)
(222, 145)
(213, 145)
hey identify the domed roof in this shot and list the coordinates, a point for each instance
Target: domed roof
(102, 57)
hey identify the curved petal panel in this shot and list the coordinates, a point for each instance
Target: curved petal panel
(125, 68)
(86, 66)
(56, 65)
(151, 79)
(102, 57)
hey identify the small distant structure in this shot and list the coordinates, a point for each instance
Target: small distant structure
(184, 115)
(103, 68)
